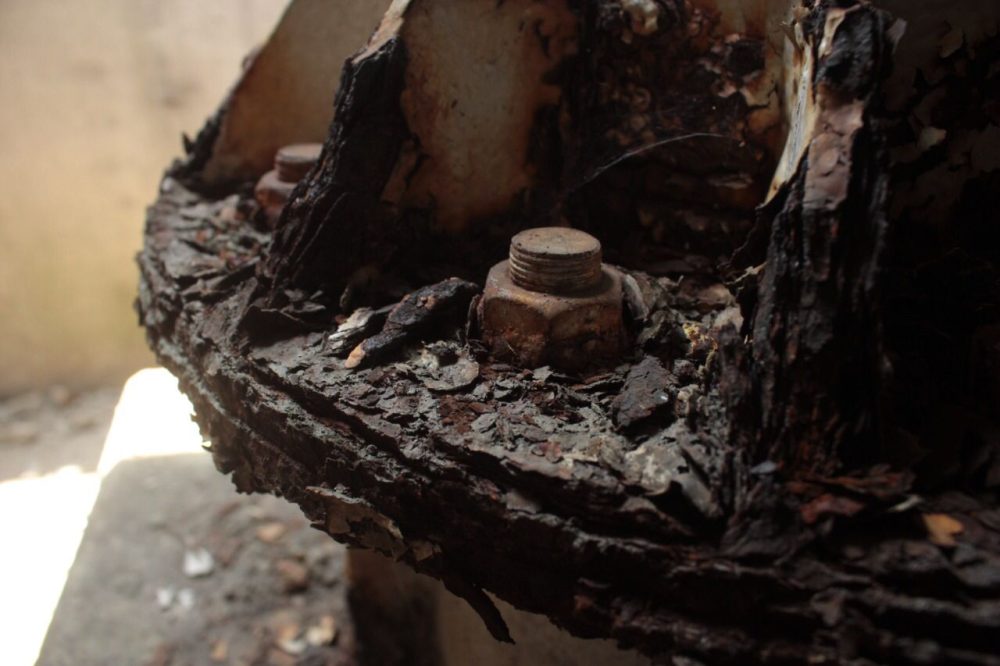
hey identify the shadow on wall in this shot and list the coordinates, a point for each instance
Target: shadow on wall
(96, 94)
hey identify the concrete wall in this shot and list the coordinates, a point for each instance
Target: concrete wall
(94, 95)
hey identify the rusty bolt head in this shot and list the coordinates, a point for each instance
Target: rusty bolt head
(291, 164)
(555, 260)
(272, 194)
(553, 303)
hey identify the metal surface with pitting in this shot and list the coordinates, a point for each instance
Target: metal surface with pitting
(553, 303)
(555, 260)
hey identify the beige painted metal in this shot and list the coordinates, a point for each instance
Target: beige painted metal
(286, 95)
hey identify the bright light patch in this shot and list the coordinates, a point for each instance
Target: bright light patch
(44, 518)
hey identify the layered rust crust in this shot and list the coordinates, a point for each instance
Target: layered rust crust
(797, 459)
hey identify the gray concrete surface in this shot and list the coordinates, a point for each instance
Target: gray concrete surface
(123, 545)
(44, 431)
(129, 600)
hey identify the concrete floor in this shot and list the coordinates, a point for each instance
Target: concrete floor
(123, 545)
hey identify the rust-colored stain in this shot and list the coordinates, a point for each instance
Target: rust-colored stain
(553, 303)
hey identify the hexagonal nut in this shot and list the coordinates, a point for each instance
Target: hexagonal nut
(575, 332)
(272, 194)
